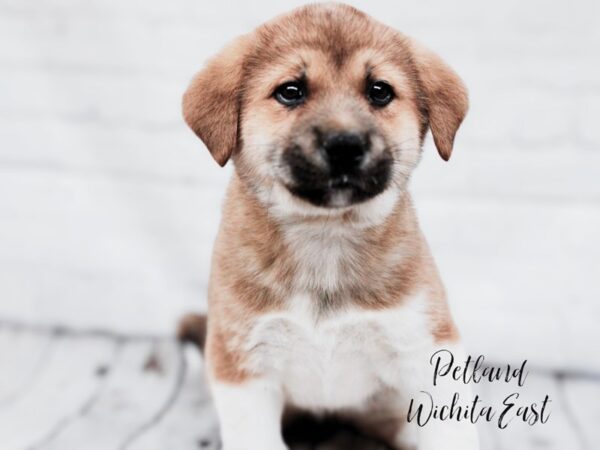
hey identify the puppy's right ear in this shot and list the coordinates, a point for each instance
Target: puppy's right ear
(211, 103)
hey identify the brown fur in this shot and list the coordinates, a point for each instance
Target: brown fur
(445, 97)
(439, 94)
(252, 275)
(211, 108)
(253, 269)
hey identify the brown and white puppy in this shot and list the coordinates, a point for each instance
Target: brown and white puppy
(323, 294)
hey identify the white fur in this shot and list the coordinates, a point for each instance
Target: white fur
(250, 414)
(319, 256)
(283, 205)
(369, 362)
(337, 362)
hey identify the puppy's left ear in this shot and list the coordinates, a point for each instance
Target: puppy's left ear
(446, 98)
(211, 104)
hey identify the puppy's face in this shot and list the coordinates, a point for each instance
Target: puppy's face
(333, 133)
(324, 108)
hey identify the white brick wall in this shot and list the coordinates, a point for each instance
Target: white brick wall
(108, 204)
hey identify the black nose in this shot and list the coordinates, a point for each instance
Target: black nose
(344, 151)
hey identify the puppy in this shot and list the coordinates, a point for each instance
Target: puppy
(323, 296)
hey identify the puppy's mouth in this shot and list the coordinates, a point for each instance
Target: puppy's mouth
(336, 184)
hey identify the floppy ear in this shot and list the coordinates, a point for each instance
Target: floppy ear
(446, 98)
(211, 104)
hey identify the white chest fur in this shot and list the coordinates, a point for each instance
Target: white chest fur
(338, 361)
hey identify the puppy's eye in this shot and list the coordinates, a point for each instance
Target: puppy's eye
(290, 94)
(380, 93)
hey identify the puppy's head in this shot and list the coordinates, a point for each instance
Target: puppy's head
(324, 108)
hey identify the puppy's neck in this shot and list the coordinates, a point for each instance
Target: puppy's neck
(328, 255)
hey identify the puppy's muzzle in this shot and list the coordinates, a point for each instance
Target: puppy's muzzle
(342, 169)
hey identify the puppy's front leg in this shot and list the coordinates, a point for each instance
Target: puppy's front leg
(250, 414)
(436, 434)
